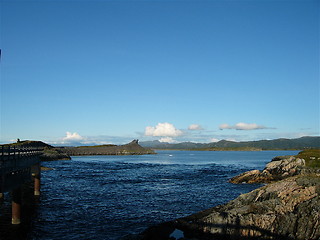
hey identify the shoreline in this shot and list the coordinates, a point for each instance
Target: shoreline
(287, 207)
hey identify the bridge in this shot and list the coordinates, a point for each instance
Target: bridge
(19, 165)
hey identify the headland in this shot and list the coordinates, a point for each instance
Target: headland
(132, 148)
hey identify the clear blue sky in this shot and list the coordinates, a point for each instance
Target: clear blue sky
(110, 71)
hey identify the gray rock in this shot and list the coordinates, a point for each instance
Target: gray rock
(280, 210)
(275, 170)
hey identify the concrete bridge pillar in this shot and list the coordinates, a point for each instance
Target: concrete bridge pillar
(36, 173)
(16, 205)
(37, 185)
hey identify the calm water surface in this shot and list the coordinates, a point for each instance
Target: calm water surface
(108, 197)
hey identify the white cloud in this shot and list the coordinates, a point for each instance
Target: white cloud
(242, 126)
(248, 126)
(195, 127)
(71, 137)
(167, 140)
(163, 130)
(75, 139)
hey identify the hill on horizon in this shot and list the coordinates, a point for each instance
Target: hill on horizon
(276, 144)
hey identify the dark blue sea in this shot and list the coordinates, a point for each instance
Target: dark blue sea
(109, 197)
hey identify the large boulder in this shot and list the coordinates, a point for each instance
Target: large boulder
(277, 169)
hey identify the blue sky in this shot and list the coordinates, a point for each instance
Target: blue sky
(90, 72)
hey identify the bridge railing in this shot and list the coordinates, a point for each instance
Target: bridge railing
(14, 157)
(19, 165)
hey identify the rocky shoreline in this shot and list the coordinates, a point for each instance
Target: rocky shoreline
(288, 207)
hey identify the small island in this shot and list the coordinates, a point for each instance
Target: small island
(132, 148)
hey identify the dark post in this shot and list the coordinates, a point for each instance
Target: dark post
(37, 174)
(16, 205)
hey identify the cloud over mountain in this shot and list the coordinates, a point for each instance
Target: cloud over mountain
(242, 126)
(163, 130)
(72, 137)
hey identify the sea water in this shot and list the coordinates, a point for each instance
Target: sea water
(109, 197)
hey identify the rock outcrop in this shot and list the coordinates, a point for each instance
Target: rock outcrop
(279, 168)
(53, 154)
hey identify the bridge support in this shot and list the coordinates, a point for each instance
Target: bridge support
(37, 185)
(17, 163)
(16, 205)
(36, 173)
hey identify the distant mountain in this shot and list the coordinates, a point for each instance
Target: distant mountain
(277, 144)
